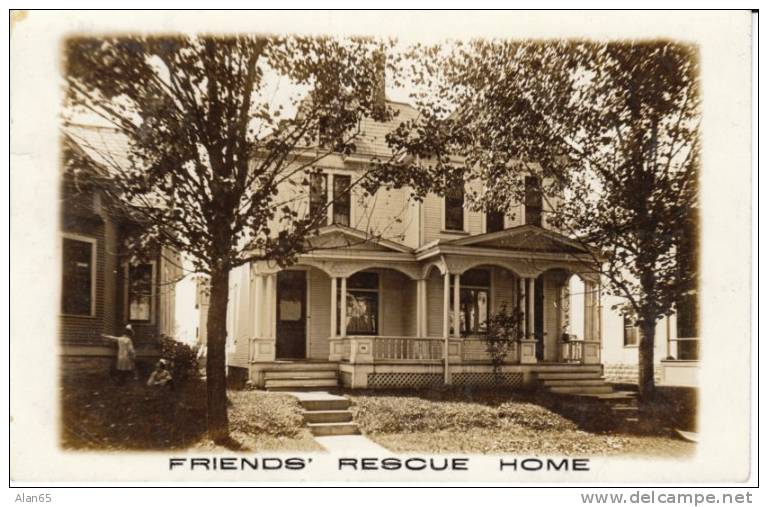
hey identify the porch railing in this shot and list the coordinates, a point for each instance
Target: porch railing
(581, 351)
(403, 348)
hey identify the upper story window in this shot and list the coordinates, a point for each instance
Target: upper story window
(78, 276)
(141, 280)
(474, 295)
(533, 200)
(362, 304)
(630, 332)
(318, 194)
(454, 209)
(494, 221)
(341, 199)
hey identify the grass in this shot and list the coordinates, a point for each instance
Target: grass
(98, 414)
(487, 422)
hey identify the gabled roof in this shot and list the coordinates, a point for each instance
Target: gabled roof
(342, 237)
(106, 147)
(529, 238)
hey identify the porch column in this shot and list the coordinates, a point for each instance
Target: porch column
(456, 306)
(446, 324)
(270, 307)
(521, 301)
(531, 308)
(334, 302)
(343, 324)
(421, 308)
(257, 306)
(588, 304)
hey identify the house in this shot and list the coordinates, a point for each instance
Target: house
(396, 293)
(101, 291)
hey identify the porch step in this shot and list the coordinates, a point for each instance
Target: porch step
(325, 405)
(300, 374)
(333, 428)
(327, 416)
(599, 389)
(300, 383)
(300, 366)
(573, 382)
(569, 375)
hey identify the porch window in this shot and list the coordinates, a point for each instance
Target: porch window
(140, 283)
(630, 332)
(341, 199)
(77, 286)
(474, 295)
(318, 195)
(533, 200)
(454, 209)
(362, 304)
(494, 221)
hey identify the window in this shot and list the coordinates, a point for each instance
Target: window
(533, 199)
(474, 295)
(318, 194)
(140, 283)
(454, 209)
(362, 304)
(494, 221)
(630, 332)
(341, 199)
(78, 280)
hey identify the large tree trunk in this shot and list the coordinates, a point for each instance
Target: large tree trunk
(218, 424)
(645, 359)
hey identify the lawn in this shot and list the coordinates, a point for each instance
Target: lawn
(98, 414)
(478, 421)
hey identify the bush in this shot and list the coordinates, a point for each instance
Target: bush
(181, 357)
(504, 330)
(259, 413)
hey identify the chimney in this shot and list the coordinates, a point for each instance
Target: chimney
(379, 85)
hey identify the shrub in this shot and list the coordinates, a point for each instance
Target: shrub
(504, 330)
(259, 413)
(181, 357)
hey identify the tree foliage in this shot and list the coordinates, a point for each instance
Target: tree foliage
(504, 332)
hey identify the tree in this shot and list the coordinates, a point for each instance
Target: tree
(504, 331)
(215, 126)
(611, 131)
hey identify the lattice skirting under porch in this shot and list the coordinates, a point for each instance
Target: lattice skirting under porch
(404, 379)
(483, 378)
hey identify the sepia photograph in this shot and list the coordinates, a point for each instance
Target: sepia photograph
(274, 246)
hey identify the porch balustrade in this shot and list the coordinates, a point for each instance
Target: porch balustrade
(368, 349)
(581, 352)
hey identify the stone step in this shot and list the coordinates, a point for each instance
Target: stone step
(572, 382)
(300, 383)
(336, 428)
(581, 389)
(300, 374)
(325, 405)
(327, 416)
(568, 375)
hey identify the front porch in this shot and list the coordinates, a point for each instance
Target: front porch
(385, 316)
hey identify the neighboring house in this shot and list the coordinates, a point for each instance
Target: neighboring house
(101, 291)
(396, 293)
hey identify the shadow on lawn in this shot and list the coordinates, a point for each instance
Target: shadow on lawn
(97, 413)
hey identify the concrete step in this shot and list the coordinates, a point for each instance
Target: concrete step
(581, 389)
(300, 374)
(300, 383)
(300, 366)
(569, 375)
(573, 382)
(337, 428)
(565, 368)
(325, 405)
(327, 416)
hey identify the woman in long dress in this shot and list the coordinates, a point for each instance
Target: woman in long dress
(126, 355)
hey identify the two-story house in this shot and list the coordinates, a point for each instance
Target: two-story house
(101, 291)
(397, 292)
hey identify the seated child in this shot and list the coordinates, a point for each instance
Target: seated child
(161, 376)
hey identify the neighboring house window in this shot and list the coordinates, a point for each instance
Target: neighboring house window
(688, 328)
(318, 195)
(630, 332)
(140, 284)
(78, 276)
(454, 209)
(362, 304)
(494, 221)
(533, 200)
(341, 199)
(474, 294)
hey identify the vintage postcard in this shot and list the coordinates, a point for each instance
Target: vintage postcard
(380, 247)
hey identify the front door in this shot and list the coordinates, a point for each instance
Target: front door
(291, 315)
